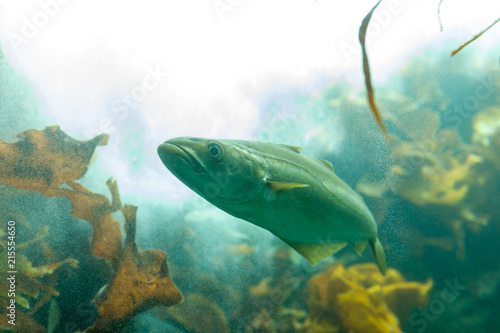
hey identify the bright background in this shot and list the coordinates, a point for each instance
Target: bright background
(219, 60)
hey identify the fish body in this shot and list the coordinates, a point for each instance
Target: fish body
(298, 198)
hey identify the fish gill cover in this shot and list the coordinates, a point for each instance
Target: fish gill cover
(433, 190)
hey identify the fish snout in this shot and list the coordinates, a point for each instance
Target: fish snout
(171, 151)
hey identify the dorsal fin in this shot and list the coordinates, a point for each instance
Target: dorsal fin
(295, 149)
(326, 163)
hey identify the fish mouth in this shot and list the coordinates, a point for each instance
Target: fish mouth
(167, 150)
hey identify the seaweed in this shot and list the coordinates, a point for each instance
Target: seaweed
(28, 284)
(96, 209)
(50, 162)
(476, 36)
(141, 282)
(198, 314)
(45, 159)
(366, 67)
(433, 167)
(366, 71)
(360, 299)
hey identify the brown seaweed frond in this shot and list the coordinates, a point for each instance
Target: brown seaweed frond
(458, 49)
(42, 161)
(366, 71)
(96, 209)
(45, 159)
(142, 281)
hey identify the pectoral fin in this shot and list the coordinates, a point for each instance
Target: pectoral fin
(280, 186)
(360, 247)
(316, 252)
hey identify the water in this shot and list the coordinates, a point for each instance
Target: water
(70, 233)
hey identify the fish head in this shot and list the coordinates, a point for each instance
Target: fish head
(222, 171)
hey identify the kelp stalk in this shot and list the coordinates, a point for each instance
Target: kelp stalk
(366, 70)
(473, 38)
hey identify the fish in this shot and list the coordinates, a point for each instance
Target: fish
(296, 197)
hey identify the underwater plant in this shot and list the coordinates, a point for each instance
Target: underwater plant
(458, 49)
(25, 286)
(141, 282)
(366, 72)
(443, 170)
(366, 67)
(486, 125)
(43, 161)
(359, 299)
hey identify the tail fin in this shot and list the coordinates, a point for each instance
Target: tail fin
(378, 250)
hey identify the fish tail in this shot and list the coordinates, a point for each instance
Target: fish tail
(378, 250)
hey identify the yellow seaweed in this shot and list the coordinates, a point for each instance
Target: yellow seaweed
(486, 125)
(402, 297)
(362, 299)
(361, 311)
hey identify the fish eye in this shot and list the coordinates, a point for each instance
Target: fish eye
(216, 151)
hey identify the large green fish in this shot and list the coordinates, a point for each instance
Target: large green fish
(298, 198)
